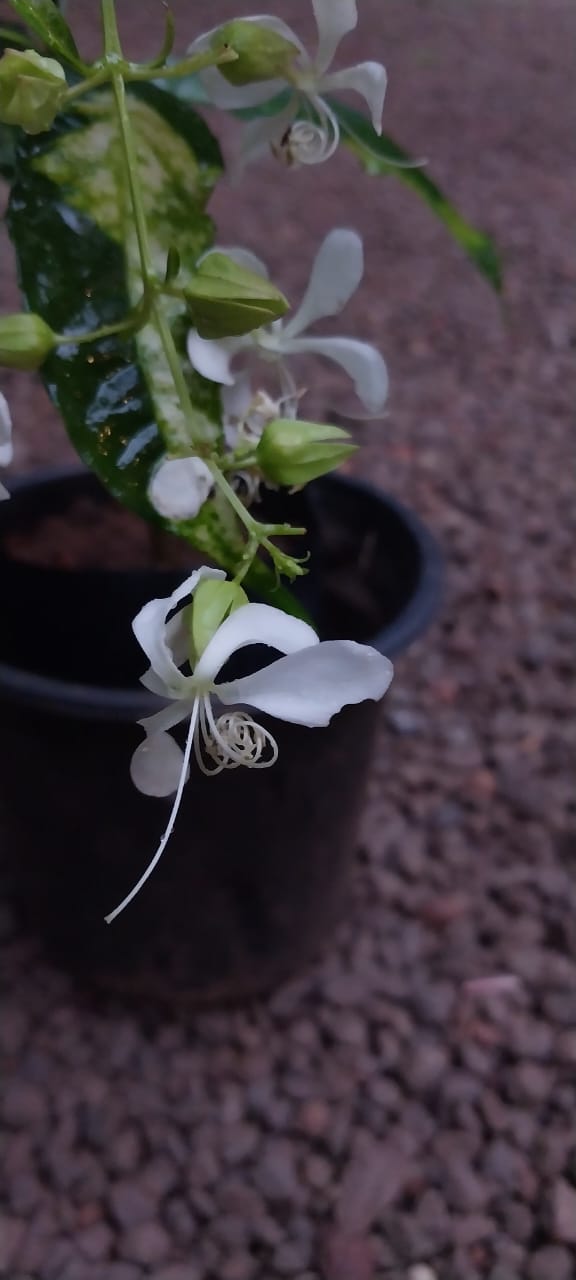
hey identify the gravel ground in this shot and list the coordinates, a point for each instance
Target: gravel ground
(391, 1113)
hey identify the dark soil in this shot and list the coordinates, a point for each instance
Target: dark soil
(92, 535)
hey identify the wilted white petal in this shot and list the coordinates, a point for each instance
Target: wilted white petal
(156, 765)
(362, 362)
(253, 624)
(149, 627)
(310, 686)
(334, 19)
(337, 271)
(368, 79)
(6, 448)
(179, 488)
(212, 357)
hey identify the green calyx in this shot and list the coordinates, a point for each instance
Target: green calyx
(25, 341)
(214, 600)
(32, 90)
(293, 453)
(227, 300)
(262, 54)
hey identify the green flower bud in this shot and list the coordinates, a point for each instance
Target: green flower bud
(25, 341)
(226, 300)
(32, 89)
(214, 599)
(262, 54)
(292, 452)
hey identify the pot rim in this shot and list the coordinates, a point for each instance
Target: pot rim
(100, 702)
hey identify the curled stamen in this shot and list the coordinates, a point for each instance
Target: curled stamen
(236, 739)
(310, 141)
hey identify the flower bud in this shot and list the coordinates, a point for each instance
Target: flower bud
(227, 300)
(214, 600)
(180, 487)
(25, 341)
(32, 89)
(291, 452)
(262, 54)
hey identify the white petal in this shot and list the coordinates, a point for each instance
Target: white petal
(211, 358)
(362, 362)
(367, 78)
(3, 493)
(337, 271)
(6, 449)
(334, 19)
(233, 97)
(156, 765)
(309, 687)
(253, 624)
(179, 488)
(237, 398)
(243, 257)
(168, 717)
(150, 628)
(259, 135)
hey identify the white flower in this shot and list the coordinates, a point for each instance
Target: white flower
(6, 449)
(336, 274)
(179, 487)
(304, 141)
(307, 686)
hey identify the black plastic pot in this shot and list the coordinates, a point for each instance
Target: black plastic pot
(258, 867)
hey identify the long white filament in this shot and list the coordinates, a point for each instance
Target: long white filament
(172, 819)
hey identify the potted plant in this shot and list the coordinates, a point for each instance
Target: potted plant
(266, 595)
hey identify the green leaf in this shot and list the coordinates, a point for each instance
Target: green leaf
(8, 144)
(116, 394)
(45, 19)
(381, 155)
(12, 36)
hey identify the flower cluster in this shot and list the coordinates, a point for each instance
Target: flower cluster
(204, 338)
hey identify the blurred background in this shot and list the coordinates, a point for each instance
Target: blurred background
(406, 1108)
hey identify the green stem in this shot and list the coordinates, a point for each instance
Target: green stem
(110, 26)
(130, 324)
(135, 74)
(188, 66)
(86, 86)
(167, 43)
(199, 436)
(237, 505)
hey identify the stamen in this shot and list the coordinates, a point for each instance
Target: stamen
(236, 739)
(309, 141)
(172, 819)
(202, 738)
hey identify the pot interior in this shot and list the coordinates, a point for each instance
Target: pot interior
(373, 575)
